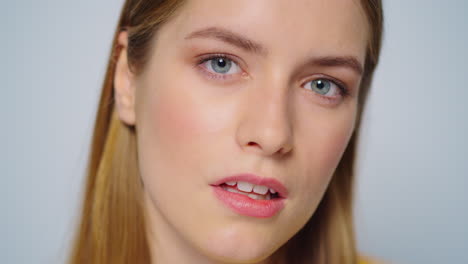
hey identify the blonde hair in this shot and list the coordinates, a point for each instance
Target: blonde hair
(112, 224)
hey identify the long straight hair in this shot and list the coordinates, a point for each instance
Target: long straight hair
(112, 224)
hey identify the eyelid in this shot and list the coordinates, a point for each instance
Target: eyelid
(233, 58)
(201, 59)
(344, 90)
(210, 56)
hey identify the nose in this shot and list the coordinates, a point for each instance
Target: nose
(266, 123)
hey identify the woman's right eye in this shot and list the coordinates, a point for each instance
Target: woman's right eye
(220, 65)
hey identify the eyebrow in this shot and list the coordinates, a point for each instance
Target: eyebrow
(229, 37)
(248, 45)
(349, 62)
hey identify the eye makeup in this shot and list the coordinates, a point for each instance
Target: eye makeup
(217, 67)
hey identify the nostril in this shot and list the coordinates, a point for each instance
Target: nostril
(252, 144)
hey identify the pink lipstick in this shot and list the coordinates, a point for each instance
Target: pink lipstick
(250, 195)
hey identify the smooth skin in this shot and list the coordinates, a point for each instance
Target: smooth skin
(267, 113)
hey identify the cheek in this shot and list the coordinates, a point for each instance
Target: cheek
(174, 120)
(171, 115)
(326, 141)
(175, 133)
(333, 143)
(167, 124)
(178, 112)
(179, 128)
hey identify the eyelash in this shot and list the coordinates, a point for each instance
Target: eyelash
(216, 76)
(343, 90)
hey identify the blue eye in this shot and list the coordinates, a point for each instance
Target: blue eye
(324, 87)
(221, 65)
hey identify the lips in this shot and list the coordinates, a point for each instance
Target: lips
(257, 181)
(251, 195)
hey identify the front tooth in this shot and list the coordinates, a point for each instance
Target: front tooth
(260, 189)
(255, 196)
(231, 183)
(245, 186)
(272, 191)
(233, 190)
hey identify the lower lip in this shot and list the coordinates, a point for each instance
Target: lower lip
(245, 205)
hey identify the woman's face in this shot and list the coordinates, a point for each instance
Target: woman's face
(264, 88)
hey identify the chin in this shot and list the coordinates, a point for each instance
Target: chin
(230, 246)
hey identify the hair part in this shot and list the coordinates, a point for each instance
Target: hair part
(112, 227)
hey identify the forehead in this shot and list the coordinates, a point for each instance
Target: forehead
(312, 27)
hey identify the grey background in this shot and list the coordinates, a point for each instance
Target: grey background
(413, 165)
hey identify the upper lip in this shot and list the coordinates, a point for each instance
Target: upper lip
(257, 180)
